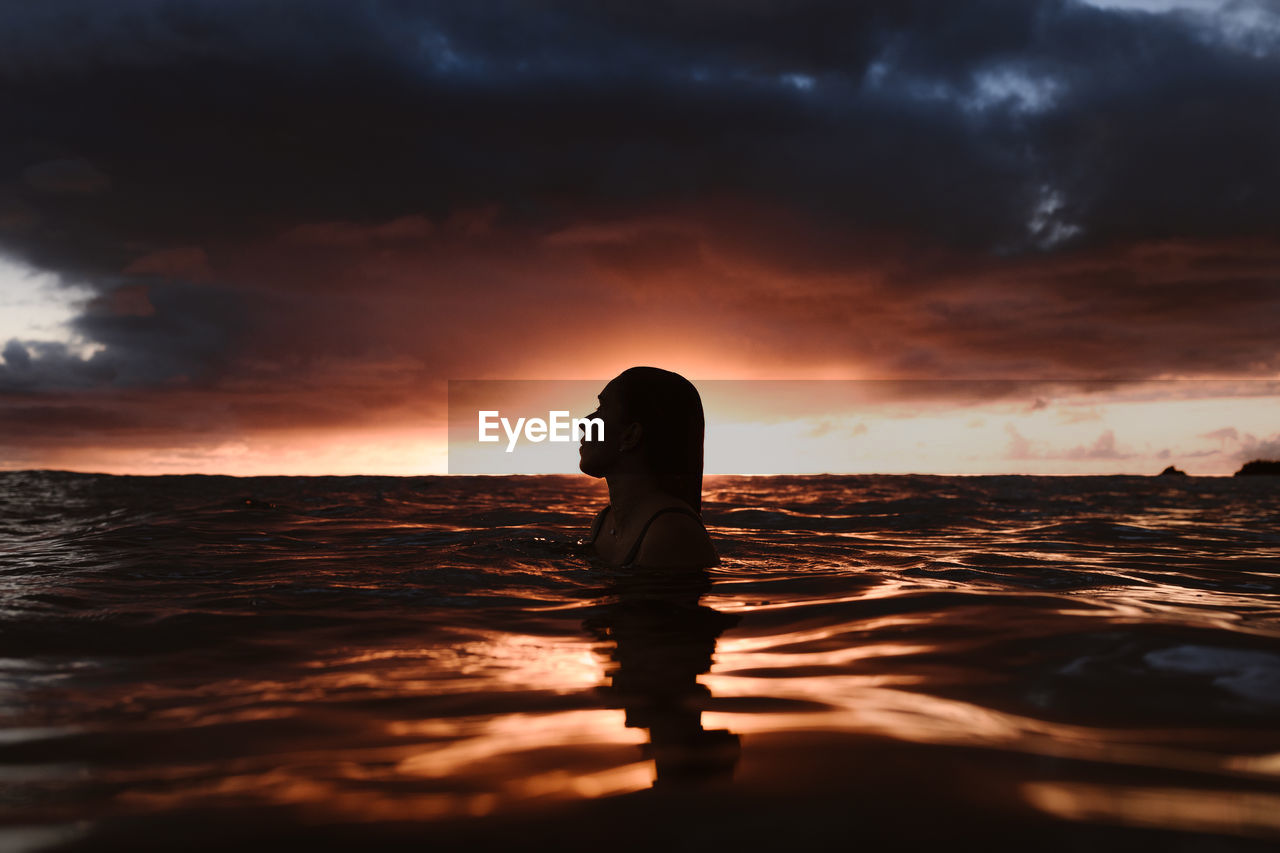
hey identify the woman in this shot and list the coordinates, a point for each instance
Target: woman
(651, 459)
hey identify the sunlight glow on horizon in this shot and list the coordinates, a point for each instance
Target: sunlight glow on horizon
(1137, 430)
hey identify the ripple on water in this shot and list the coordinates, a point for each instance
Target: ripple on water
(1057, 654)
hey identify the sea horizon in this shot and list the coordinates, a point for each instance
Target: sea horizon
(581, 476)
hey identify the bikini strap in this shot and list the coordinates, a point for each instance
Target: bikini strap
(635, 548)
(598, 523)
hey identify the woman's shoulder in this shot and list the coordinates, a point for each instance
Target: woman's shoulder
(674, 537)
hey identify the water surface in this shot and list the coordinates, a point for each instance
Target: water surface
(1064, 662)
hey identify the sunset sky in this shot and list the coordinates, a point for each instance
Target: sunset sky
(1010, 236)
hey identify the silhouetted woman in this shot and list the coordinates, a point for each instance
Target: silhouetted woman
(651, 459)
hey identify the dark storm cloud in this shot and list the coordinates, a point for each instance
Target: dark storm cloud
(957, 121)
(66, 176)
(171, 333)
(281, 197)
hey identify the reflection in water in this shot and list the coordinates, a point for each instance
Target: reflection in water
(381, 654)
(663, 639)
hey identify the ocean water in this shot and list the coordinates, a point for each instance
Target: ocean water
(1049, 663)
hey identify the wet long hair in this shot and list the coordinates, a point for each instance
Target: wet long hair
(669, 411)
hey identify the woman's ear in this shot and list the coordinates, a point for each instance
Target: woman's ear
(630, 436)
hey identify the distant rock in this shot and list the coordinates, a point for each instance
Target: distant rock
(1260, 466)
(1172, 472)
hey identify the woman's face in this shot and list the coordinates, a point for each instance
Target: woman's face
(595, 458)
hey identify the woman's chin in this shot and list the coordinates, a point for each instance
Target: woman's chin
(587, 465)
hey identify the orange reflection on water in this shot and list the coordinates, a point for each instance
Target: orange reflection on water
(418, 764)
(332, 797)
(1266, 764)
(544, 662)
(488, 738)
(874, 705)
(1236, 812)
(478, 764)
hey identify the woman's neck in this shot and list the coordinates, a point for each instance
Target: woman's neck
(628, 491)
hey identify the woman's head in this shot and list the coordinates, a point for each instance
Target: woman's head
(652, 419)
